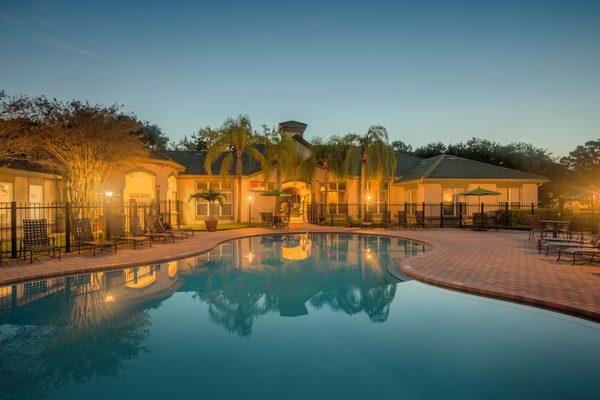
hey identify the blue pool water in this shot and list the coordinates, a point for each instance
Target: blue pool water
(285, 317)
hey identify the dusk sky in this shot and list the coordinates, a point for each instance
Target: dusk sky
(428, 71)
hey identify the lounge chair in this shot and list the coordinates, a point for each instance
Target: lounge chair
(136, 230)
(82, 233)
(588, 254)
(36, 239)
(155, 226)
(116, 231)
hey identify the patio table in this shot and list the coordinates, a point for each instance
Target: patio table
(556, 225)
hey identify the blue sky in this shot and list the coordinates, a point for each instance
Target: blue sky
(428, 71)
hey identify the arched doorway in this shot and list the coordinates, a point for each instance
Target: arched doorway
(140, 186)
(299, 200)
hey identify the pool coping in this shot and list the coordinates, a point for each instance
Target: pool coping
(402, 268)
(181, 256)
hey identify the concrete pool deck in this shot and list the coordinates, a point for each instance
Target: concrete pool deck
(501, 264)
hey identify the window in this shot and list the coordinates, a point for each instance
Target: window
(379, 197)
(336, 197)
(6, 192)
(410, 198)
(261, 186)
(510, 196)
(36, 194)
(450, 197)
(217, 210)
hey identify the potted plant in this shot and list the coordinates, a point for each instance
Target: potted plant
(211, 196)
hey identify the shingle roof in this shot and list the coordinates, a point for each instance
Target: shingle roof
(23, 165)
(193, 162)
(447, 166)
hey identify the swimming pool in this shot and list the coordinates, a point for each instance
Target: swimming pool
(292, 316)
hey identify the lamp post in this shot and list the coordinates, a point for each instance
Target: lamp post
(249, 210)
(367, 211)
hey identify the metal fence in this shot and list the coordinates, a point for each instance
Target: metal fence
(443, 215)
(59, 216)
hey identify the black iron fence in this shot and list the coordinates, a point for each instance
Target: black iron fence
(59, 216)
(442, 215)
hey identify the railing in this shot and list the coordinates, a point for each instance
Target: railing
(443, 215)
(59, 225)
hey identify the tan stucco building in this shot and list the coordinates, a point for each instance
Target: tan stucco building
(171, 177)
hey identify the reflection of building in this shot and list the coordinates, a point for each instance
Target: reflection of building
(175, 175)
(288, 275)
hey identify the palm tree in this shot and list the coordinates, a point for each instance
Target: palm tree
(323, 153)
(377, 158)
(235, 138)
(280, 153)
(211, 196)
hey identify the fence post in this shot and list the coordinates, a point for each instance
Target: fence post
(533, 209)
(441, 214)
(423, 222)
(13, 229)
(460, 214)
(506, 216)
(67, 227)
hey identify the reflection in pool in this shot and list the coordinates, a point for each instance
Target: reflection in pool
(291, 316)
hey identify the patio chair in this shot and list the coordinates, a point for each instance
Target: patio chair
(266, 218)
(82, 233)
(480, 222)
(386, 221)
(422, 222)
(536, 226)
(136, 230)
(401, 222)
(412, 222)
(116, 231)
(36, 240)
(155, 226)
(368, 220)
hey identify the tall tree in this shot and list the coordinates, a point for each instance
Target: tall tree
(153, 136)
(13, 125)
(323, 152)
(280, 153)
(377, 158)
(583, 166)
(83, 143)
(400, 146)
(199, 141)
(235, 138)
(431, 150)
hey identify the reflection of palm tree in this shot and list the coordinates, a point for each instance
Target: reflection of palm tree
(240, 296)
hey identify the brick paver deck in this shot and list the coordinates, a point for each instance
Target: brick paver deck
(501, 264)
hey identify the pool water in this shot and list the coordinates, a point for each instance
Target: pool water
(285, 317)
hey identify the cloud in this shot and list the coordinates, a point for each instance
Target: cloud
(64, 46)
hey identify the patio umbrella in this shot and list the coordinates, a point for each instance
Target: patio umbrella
(479, 192)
